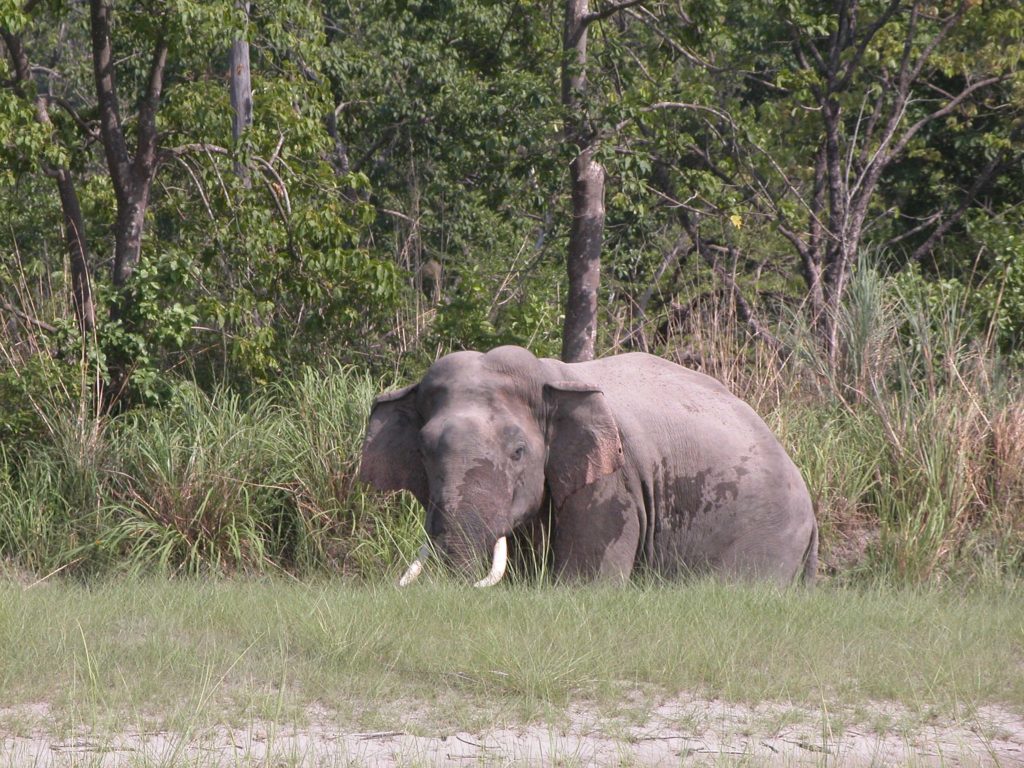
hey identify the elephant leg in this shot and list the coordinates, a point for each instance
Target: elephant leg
(596, 533)
(775, 555)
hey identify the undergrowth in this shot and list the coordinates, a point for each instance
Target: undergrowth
(911, 441)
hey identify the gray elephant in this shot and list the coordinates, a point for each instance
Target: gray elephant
(643, 462)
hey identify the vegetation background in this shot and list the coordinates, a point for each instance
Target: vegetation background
(227, 225)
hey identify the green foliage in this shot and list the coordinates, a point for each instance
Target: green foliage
(393, 136)
(912, 453)
(204, 483)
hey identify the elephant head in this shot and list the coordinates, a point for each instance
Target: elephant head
(482, 442)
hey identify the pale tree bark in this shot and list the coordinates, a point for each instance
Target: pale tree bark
(583, 257)
(241, 95)
(74, 225)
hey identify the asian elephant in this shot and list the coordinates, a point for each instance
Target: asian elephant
(643, 462)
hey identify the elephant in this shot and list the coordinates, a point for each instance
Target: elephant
(641, 463)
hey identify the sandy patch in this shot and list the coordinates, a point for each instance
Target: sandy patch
(680, 731)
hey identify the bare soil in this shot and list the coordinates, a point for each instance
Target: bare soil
(680, 731)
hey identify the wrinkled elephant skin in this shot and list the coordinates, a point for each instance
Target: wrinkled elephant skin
(644, 463)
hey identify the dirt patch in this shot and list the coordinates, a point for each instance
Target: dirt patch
(684, 730)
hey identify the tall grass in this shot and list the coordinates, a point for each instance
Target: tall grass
(206, 483)
(911, 441)
(912, 444)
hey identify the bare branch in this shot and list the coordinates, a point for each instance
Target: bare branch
(912, 131)
(794, 238)
(948, 25)
(83, 126)
(187, 149)
(145, 156)
(851, 65)
(927, 222)
(908, 45)
(199, 187)
(609, 10)
(980, 183)
(803, 46)
(687, 106)
(41, 324)
(277, 186)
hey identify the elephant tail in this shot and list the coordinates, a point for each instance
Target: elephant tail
(811, 555)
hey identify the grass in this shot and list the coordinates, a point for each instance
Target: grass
(208, 483)
(181, 652)
(911, 442)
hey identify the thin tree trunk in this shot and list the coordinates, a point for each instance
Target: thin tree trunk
(74, 225)
(74, 233)
(812, 254)
(583, 257)
(241, 96)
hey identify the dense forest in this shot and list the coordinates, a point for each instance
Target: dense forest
(213, 209)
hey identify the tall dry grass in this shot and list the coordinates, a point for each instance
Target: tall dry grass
(206, 483)
(912, 445)
(912, 442)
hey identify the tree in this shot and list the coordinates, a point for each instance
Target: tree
(583, 256)
(129, 109)
(241, 93)
(804, 121)
(74, 225)
(864, 135)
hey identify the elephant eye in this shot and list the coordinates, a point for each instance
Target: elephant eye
(517, 454)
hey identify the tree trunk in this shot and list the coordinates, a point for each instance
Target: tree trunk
(74, 225)
(128, 234)
(583, 258)
(811, 255)
(130, 175)
(74, 233)
(241, 97)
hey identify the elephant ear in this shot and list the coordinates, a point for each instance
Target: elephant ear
(582, 437)
(391, 459)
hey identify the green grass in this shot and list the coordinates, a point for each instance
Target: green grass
(911, 442)
(208, 483)
(193, 652)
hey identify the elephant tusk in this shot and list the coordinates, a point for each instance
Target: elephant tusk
(416, 567)
(497, 566)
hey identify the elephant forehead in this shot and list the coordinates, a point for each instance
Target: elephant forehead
(465, 430)
(506, 376)
(451, 429)
(486, 394)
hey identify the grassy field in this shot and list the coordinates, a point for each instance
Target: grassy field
(213, 563)
(182, 652)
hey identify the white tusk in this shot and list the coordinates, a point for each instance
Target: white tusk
(416, 567)
(498, 566)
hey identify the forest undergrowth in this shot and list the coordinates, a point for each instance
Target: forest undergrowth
(912, 445)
